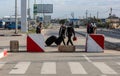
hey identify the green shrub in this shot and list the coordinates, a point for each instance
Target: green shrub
(102, 25)
(62, 21)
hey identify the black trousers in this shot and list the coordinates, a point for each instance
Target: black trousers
(69, 40)
(63, 40)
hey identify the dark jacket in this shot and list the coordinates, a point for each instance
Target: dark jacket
(70, 31)
(62, 31)
(38, 29)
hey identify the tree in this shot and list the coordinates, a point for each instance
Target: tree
(62, 21)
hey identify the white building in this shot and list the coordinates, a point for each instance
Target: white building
(11, 18)
(47, 18)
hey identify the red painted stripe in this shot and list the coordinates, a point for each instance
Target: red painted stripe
(5, 53)
(32, 46)
(99, 39)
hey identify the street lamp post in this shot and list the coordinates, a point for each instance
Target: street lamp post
(16, 24)
(42, 11)
(110, 14)
(34, 13)
(28, 14)
(35, 1)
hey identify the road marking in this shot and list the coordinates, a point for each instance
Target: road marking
(2, 64)
(118, 63)
(1, 54)
(87, 58)
(48, 68)
(104, 68)
(20, 68)
(76, 68)
(103, 75)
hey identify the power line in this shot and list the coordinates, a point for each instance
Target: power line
(97, 14)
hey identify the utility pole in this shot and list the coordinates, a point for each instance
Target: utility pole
(29, 8)
(110, 14)
(28, 14)
(16, 24)
(97, 14)
(43, 14)
(24, 27)
(83, 17)
(111, 11)
(35, 1)
(90, 15)
(86, 14)
(72, 14)
(34, 4)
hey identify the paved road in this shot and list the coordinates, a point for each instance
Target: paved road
(110, 33)
(110, 36)
(60, 64)
(54, 63)
(112, 40)
(80, 43)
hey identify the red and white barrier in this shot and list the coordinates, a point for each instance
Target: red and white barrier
(95, 43)
(3, 53)
(35, 43)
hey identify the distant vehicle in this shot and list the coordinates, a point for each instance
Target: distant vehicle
(13, 26)
(2, 23)
(39, 19)
(10, 22)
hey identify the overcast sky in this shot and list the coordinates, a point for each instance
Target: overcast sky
(64, 8)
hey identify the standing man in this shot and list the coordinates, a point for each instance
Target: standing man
(62, 33)
(39, 28)
(70, 32)
(94, 28)
(88, 27)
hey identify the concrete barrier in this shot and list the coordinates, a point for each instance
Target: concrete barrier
(63, 48)
(3, 53)
(95, 43)
(35, 43)
(14, 46)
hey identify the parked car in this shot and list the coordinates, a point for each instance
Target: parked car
(13, 26)
(2, 24)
